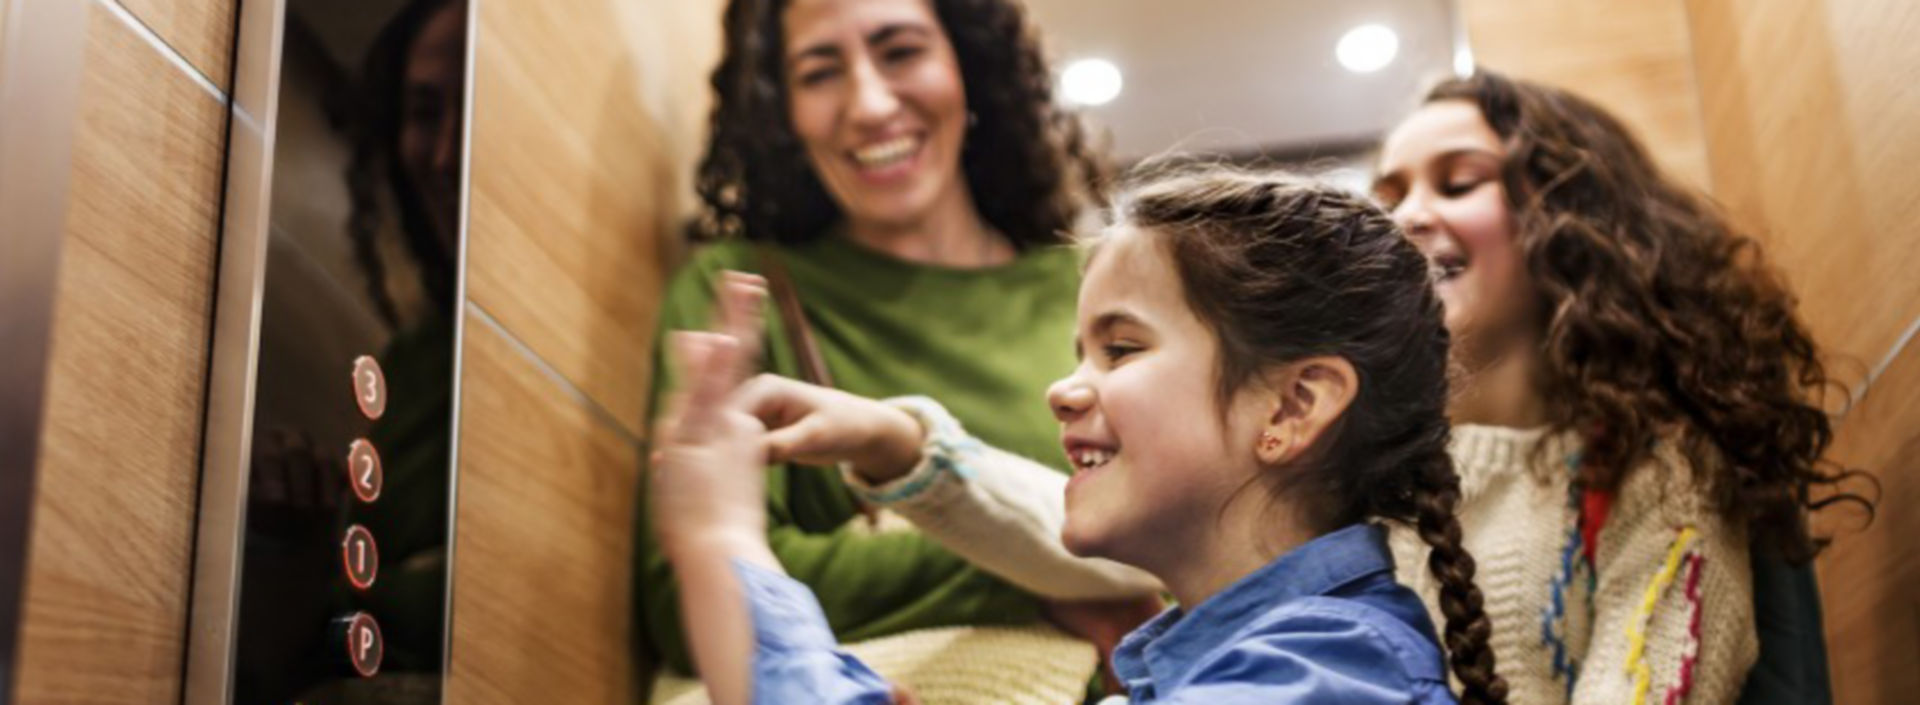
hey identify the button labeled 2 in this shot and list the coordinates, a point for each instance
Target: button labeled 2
(363, 470)
(361, 556)
(364, 645)
(369, 387)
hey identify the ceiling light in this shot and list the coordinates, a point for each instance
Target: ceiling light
(1090, 82)
(1367, 48)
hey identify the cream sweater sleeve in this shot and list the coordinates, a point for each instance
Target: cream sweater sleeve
(1673, 598)
(999, 511)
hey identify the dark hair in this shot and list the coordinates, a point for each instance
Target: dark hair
(375, 123)
(1658, 316)
(1282, 269)
(1025, 160)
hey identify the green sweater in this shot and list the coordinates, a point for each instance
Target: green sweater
(984, 342)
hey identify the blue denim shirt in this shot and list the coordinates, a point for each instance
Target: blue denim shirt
(1325, 623)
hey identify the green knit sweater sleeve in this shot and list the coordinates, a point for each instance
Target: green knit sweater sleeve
(870, 584)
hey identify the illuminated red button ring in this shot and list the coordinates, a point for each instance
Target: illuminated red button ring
(369, 387)
(361, 557)
(363, 470)
(364, 645)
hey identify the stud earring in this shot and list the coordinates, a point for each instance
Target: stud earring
(1268, 442)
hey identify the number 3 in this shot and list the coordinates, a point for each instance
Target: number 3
(373, 388)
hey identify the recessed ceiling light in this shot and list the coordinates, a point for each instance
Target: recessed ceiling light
(1090, 82)
(1367, 48)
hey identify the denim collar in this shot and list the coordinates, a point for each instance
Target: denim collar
(1164, 649)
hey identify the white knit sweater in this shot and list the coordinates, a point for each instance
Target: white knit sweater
(1636, 625)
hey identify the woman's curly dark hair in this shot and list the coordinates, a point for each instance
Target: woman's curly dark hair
(1660, 321)
(1025, 160)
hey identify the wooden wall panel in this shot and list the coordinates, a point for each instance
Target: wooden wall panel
(587, 118)
(1871, 579)
(1809, 112)
(577, 177)
(542, 580)
(200, 30)
(1809, 108)
(1631, 56)
(106, 593)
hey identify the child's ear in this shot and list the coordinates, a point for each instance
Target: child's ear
(1309, 396)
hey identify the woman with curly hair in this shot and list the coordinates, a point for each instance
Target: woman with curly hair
(1641, 405)
(898, 171)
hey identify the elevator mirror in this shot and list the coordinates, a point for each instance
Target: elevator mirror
(325, 536)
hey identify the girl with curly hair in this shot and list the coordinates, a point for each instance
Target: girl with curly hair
(1640, 405)
(899, 170)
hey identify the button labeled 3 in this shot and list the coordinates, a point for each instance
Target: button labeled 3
(369, 387)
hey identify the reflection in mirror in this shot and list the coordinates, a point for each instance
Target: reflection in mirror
(346, 551)
(1307, 84)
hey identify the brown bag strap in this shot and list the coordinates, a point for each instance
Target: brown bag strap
(813, 367)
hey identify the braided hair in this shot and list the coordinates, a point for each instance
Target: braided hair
(1281, 269)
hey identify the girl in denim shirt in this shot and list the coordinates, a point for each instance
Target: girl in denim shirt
(1262, 380)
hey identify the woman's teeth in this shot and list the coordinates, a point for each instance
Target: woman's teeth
(1446, 268)
(1090, 458)
(886, 153)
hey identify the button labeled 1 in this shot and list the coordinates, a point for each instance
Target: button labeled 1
(369, 387)
(361, 557)
(363, 470)
(364, 645)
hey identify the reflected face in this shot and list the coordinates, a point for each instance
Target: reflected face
(431, 103)
(876, 98)
(1154, 459)
(1440, 178)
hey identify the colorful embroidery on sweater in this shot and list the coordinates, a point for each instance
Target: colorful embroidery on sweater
(1685, 547)
(1691, 653)
(1575, 561)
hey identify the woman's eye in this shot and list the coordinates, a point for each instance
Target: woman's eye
(899, 54)
(816, 76)
(1460, 187)
(1117, 352)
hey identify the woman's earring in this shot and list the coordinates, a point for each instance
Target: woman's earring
(1268, 442)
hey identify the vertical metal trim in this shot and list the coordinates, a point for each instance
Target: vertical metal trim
(459, 344)
(42, 54)
(236, 341)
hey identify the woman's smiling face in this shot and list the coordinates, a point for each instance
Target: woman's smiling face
(876, 98)
(1441, 179)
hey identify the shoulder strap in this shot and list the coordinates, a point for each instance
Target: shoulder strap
(813, 367)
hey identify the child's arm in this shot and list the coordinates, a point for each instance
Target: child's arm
(1673, 602)
(1000, 511)
(754, 633)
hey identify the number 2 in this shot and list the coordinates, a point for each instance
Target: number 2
(366, 471)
